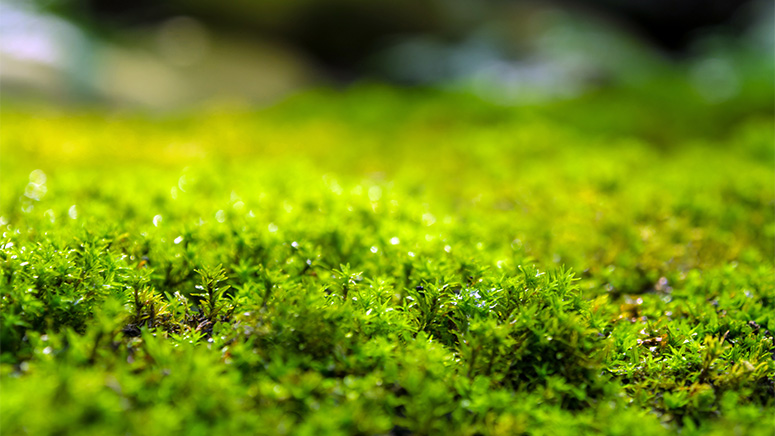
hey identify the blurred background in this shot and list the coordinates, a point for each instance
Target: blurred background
(176, 54)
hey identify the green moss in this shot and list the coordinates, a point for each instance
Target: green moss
(377, 262)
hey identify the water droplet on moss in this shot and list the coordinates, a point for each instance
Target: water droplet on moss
(35, 191)
(375, 193)
(182, 182)
(38, 177)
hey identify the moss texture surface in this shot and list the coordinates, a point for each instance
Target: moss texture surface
(385, 262)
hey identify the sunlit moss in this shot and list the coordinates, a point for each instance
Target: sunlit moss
(390, 263)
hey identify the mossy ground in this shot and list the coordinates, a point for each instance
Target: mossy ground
(390, 262)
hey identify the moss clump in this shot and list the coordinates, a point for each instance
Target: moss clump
(379, 263)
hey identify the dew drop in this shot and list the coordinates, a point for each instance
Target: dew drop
(37, 177)
(375, 193)
(72, 212)
(220, 216)
(35, 191)
(157, 220)
(182, 182)
(335, 187)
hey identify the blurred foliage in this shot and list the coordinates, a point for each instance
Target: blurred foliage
(377, 261)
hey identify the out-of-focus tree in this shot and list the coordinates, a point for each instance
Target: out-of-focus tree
(342, 33)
